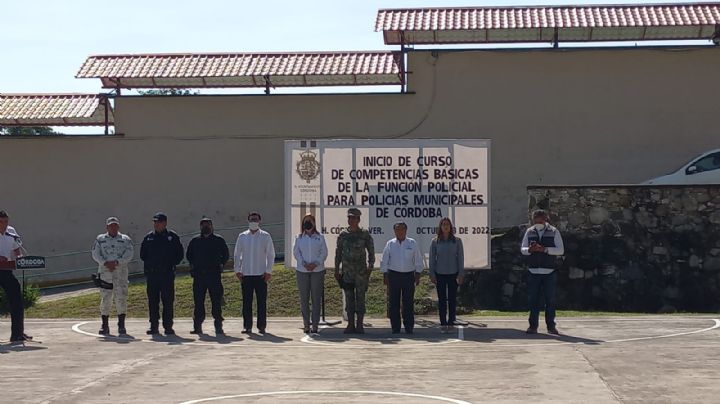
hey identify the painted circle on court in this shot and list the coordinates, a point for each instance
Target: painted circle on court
(460, 342)
(341, 393)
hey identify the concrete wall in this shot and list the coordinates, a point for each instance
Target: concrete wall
(580, 116)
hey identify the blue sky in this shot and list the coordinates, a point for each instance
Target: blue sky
(43, 43)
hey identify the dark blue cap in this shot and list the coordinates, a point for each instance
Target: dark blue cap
(160, 217)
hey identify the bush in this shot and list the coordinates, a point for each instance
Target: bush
(31, 294)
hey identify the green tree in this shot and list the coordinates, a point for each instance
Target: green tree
(169, 91)
(27, 131)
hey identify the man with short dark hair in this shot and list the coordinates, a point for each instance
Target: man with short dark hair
(10, 250)
(401, 265)
(542, 244)
(161, 251)
(254, 259)
(207, 255)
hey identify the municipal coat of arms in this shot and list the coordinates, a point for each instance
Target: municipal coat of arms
(308, 168)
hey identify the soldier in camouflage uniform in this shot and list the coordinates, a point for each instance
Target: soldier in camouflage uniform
(113, 252)
(353, 267)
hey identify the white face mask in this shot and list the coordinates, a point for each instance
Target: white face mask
(254, 225)
(539, 226)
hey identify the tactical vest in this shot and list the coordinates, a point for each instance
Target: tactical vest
(542, 260)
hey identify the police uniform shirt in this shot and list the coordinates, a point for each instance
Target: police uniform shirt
(402, 256)
(9, 242)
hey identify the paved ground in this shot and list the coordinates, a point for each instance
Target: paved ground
(600, 360)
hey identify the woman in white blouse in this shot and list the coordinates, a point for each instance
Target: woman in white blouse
(310, 252)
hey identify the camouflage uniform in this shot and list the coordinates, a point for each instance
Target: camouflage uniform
(120, 249)
(354, 264)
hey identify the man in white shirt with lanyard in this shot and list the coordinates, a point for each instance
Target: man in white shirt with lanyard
(10, 250)
(254, 259)
(542, 244)
(401, 265)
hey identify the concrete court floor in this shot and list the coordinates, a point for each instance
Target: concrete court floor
(648, 359)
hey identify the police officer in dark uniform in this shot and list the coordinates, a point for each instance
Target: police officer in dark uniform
(161, 251)
(11, 249)
(207, 254)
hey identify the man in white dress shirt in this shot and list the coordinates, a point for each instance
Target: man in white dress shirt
(254, 258)
(401, 265)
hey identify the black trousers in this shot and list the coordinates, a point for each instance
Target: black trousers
(204, 282)
(402, 288)
(13, 293)
(161, 287)
(254, 285)
(447, 298)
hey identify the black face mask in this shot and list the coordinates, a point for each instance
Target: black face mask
(308, 226)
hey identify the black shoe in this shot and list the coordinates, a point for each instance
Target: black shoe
(219, 332)
(408, 331)
(314, 330)
(553, 331)
(247, 331)
(20, 338)
(169, 331)
(531, 330)
(261, 330)
(152, 331)
(196, 331)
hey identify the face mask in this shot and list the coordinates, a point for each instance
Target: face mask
(539, 226)
(205, 230)
(307, 225)
(254, 225)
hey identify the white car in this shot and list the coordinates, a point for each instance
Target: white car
(703, 169)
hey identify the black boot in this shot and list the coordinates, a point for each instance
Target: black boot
(219, 328)
(105, 328)
(121, 324)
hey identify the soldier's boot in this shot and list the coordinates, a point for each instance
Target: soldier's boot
(121, 324)
(359, 327)
(104, 328)
(350, 329)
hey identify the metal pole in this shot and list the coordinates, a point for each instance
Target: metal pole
(322, 312)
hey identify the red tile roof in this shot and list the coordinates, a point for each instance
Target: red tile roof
(701, 17)
(54, 110)
(243, 69)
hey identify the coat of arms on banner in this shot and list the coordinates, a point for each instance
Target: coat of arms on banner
(308, 168)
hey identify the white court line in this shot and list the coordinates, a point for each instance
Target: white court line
(346, 392)
(310, 342)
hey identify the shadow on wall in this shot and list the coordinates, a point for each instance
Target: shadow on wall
(627, 248)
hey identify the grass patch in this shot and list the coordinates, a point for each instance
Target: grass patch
(283, 298)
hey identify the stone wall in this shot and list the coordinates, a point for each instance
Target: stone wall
(627, 248)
